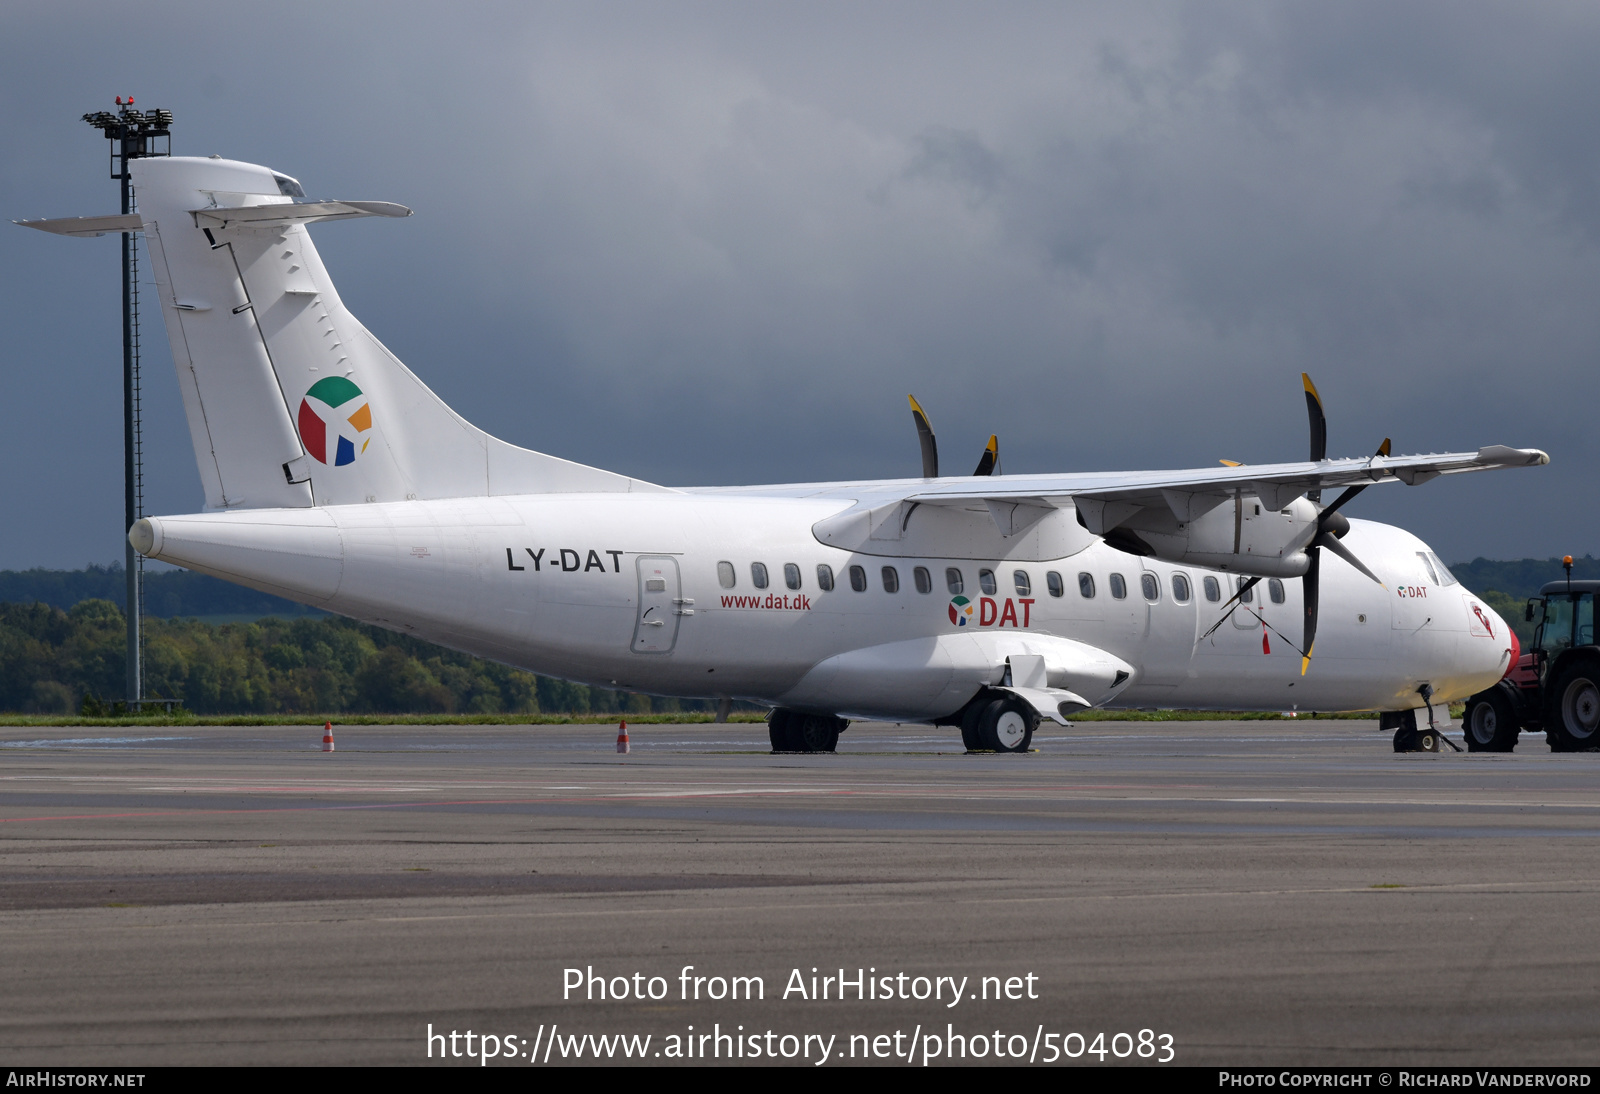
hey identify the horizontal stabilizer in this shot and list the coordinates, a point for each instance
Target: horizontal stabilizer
(87, 226)
(304, 212)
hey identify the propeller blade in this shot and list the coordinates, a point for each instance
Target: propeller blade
(930, 447)
(1310, 584)
(989, 462)
(1331, 542)
(1234, 601)
(1319, 427)
(1341, 499)
(1230, 463)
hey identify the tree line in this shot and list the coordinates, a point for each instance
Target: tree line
(64, 662)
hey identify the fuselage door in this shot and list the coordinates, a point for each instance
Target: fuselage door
(660, 604)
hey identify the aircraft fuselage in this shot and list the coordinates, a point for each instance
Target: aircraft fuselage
(633, 591)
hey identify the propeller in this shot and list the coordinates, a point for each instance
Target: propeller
(1332, 526)
(930, 447)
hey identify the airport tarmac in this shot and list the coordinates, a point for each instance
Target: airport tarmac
(1278, 892)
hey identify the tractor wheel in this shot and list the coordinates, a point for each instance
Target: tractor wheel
(1491, 722)
(1572, 710)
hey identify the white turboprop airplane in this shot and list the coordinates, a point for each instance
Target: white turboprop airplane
(335, 477)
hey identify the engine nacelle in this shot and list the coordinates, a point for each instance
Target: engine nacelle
(1241, 534)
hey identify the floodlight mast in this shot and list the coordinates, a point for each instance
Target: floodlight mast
(133, 134)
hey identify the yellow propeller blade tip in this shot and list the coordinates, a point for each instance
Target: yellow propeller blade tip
(1311, 389)
(1230, 463)
(1305, 663)
(1383, 449)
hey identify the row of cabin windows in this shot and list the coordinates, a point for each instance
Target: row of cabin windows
(955, 581)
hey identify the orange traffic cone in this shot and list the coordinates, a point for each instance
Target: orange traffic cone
(327, 737)
(622, 738)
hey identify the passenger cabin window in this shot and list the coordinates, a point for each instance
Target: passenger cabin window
(953, 581)
(987, 583)
(825, 578)
(1275, 590)
(791, 575)
(891, 579)
(1180, 588)
(923, 579)
(758, 574)
(1213, 589)
(1052, 581)
(725, 576)
(1023, 584)
(858, 579)
(1149, 586)
(1247, 592)
(1119, 587)
(655, 585)
(1086, 586)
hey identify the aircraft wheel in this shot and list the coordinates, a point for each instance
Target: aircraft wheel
(971, 734)
(815, 732)
(1427, 740)
(1491, 722)
(1574, 717)
(1007, 725)
(1405, 734)
(781, 731)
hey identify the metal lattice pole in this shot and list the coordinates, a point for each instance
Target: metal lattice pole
(133, 134)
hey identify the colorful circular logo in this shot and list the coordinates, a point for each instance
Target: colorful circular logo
(334, 420)
(960, 610)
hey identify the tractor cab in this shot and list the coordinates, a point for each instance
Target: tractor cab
(1554, 685)
(1563, 619)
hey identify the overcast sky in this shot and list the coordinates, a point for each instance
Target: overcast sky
(719, 243)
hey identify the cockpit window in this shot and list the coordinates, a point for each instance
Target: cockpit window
(1445, 576)
(288, 187)
(1427, 564)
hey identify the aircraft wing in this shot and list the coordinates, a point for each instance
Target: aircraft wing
(1109, 498)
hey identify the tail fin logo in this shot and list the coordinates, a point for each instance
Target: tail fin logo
(335, 421)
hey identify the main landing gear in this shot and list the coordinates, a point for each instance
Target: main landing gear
(998, 724)
(792, 731)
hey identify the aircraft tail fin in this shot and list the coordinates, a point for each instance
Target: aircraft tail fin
(290, 400)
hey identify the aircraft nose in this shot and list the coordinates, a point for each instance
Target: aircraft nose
(1504, 648)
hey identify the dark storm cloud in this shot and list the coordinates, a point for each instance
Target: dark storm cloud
(712, 243)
